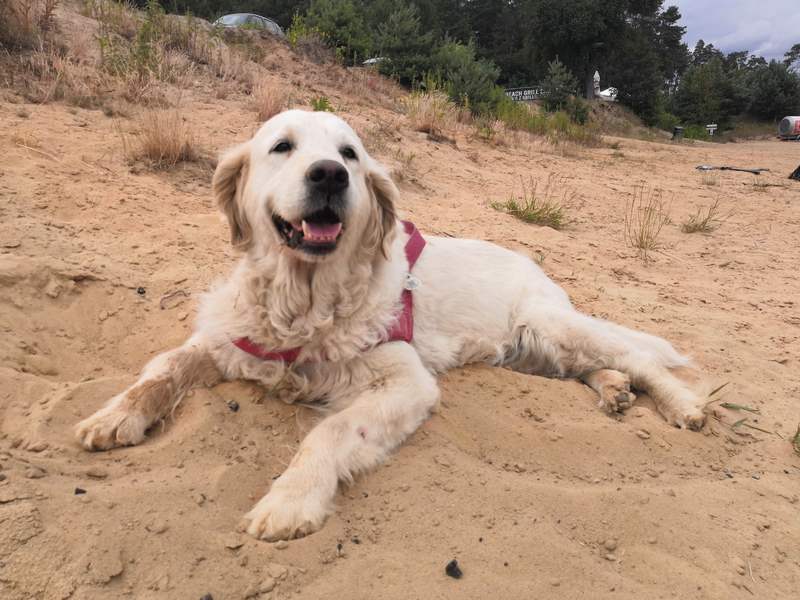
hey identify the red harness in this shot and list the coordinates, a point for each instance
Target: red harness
(402, 330)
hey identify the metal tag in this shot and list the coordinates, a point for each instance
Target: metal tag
(412, 282)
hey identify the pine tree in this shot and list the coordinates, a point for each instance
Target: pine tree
(558, 86)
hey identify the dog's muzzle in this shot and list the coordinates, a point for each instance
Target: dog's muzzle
(319, 230)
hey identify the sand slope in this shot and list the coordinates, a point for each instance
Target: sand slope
(522, 479)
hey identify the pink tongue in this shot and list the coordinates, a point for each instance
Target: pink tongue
(321, 232)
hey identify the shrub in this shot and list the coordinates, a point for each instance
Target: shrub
(696, 132)
(667, 121)
(431, 112)
(577, 109)
(117, 16)
(24, 22)
(309, 41)
(268, 100)
(321, 104)
(164, 140)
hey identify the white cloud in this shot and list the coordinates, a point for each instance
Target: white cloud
(764, 27)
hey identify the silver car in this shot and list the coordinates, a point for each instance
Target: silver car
(249, 21)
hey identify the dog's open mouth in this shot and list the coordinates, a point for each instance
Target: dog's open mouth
(316, 233)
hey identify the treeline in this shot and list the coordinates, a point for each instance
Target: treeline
(474, 45)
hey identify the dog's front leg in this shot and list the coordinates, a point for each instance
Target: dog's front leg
(125, 418)
(379, 417)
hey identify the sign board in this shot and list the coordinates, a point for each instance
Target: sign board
(525, 94)
(711, 128)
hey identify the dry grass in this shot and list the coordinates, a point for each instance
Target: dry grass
(705, 220)
(119, 16)
(163, 140)
(376, 137)
(709, 179)
(545, 205)
(431, 112)
(758, 185)
(25, 23)
(268, 100)
(646, 214)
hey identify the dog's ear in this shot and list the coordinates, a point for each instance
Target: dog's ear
(228, 185)
(386, 196)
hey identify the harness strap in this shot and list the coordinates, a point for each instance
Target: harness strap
(402, 330)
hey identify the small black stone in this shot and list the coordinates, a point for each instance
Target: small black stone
(339, 547)
(452, 569)
(79, 491)
(233, 405)
(207, 597)
(480, 539)
(355, 540)
(141, 291)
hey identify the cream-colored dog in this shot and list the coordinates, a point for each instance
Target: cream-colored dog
(324, 303)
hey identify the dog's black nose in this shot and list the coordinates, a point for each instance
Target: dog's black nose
(327, 176)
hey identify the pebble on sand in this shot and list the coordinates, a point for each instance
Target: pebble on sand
(453, 570)
(34, 473)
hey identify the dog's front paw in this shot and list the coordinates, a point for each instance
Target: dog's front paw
(288, 511)
(110, 427)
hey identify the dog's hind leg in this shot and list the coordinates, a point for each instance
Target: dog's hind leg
(124, 420)
(608, 357)
(379, 414)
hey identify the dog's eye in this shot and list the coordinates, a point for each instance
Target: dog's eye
(349, 153)
(283, 146)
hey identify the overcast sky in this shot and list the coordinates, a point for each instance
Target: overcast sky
(765, 27)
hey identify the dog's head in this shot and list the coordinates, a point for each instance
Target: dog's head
(305, 183)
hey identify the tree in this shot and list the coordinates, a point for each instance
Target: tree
(637, 74)
(469, 81)
(558, 86)
(792, 58)
(406, 50)
(699, 99)
(342, 23)
(775, 91)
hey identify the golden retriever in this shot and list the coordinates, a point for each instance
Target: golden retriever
(337, 302)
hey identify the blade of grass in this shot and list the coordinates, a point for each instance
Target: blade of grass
(734, 406)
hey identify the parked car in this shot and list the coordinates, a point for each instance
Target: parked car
(608, 94)
(249, 21)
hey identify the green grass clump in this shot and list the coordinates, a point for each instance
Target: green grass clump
(540, 205)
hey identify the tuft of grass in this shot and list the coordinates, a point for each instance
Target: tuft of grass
(646, 214)
(321, 104)
(431, 112)
(705, 220)
(164, 140)
(269, 100)
(758, 185)
(545, 205)
(709, 179)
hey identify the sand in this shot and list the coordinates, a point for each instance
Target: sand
(523, 480)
